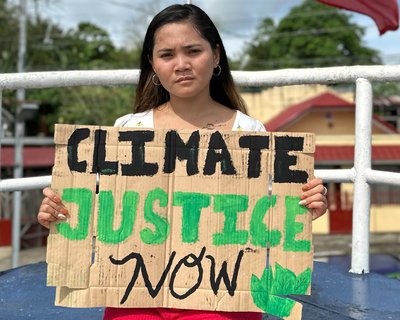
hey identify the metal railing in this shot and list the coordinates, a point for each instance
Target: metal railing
(362, 175)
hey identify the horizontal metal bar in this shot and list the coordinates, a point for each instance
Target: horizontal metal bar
(25, 183)
(53, 79)
(33, 141)
(335, 175)
(385, 177)
(330, 75)
(344, 175)
(328, 175)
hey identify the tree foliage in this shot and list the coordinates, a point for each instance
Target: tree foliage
(311, 35)
(95, 105)
(8, 44)
(386, 89)
(49, 47)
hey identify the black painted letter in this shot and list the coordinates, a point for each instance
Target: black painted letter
(138, 167)
(283, 145)
(254, 144)
(230, 285)
(196, 262)
(176, 148)
(100, 164)
(76, 137)
(140, 266)
(218, 143)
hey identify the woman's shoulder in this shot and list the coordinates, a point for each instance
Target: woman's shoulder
(244, 122)
(136, 120)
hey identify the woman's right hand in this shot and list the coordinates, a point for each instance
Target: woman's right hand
(51, 209)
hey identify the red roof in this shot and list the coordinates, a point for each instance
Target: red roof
(326, 100)
(32, 157)
(346, 153)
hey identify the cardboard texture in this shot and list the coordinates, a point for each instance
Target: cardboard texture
(191, 219)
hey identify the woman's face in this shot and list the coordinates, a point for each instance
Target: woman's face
(183, 60)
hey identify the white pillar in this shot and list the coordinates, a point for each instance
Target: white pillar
(362, 164)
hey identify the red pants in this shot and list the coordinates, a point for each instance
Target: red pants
(175, 314)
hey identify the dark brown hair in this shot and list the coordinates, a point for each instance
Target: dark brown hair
(222, 87)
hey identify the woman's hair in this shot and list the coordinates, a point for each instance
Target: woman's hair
(222, 87)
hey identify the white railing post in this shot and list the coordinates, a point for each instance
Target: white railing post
(362, 163)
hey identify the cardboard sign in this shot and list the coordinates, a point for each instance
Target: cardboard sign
(201, 219)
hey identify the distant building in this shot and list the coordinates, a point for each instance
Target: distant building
(388, 108)
(332, 119)
(264, 104)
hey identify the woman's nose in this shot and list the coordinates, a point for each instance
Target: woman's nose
(182, 63)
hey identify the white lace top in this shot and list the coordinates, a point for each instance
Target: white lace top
(145, 120)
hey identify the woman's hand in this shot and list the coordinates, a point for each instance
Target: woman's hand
(51, 209)
(314, 197)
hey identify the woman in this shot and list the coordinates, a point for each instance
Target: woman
(185, 83)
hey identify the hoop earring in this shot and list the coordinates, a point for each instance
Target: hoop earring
(219, 70)
(155, 80)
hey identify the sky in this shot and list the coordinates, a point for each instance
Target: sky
(236, 19)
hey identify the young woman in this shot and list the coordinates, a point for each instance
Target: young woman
(185, 83)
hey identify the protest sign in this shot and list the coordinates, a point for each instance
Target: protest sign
(200, 219)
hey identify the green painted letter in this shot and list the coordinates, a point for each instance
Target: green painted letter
(260, 235)
(161, 224)
(106, 216)
(230, 205)
(83, 198)
(191, 203)
(292, 228)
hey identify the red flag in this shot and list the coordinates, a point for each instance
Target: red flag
(385, 13)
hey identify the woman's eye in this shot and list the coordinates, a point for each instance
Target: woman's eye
(165, 54)
(194, 51)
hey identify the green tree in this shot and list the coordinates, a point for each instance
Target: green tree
(88, 46)
(85, 47)
(311, 35)
(94, 105)
(386, 89)
(49, 47)
(8, 43)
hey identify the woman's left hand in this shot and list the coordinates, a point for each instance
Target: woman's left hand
(314, 197)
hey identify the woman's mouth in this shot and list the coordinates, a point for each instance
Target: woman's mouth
(184, 78)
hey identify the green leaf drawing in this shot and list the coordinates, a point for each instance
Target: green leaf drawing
(266, 290)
